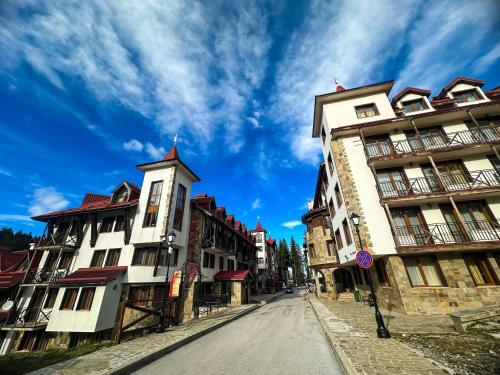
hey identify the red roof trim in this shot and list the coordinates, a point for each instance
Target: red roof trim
(232, 275)
(456, 81)
(408, 90)
(95, 275)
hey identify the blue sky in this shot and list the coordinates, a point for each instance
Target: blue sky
(90, 89)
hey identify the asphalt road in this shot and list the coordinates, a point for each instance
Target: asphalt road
(283, 337)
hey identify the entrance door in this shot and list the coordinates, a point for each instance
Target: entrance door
(34, 306)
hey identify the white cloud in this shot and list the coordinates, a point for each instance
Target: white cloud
(13, 217)
(4, 172)
(256, 204)
(155, 152)
(45, 200)
(254, 122)
(484, 62)
(133, 145)
(291, 224)
(357, 41)
(182, 65)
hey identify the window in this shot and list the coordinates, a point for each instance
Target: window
(323, 134)
(338, 239)
(338, 196)
(330, 246)
(173, 258)
(221, 263)
(153, 204)
(107, 224)
(206, 258)
(159, 292)
(392, 182)
(414, 105)
(479, 269)
(120, 223)
(330, 164)
(139, 295)
(69, 299)
(179, 207)
(261, 260)
(65, 261)
(381, 274)
(357, 275)
(423, 271)
(258, 237)
(368, 110)
(86, 298)
(113, 257)
(212, 260)
(466, 96)
(121, 195)
(98, 258)
(51, 298)
(331, 208)
(145, 256)
(230, 265)
(379, 145)
(347, 233)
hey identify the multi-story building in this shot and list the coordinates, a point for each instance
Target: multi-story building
(423, 175)
(104, 267)
(266, 259)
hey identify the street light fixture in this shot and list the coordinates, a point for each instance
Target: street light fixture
(382, 332)
(170, 241)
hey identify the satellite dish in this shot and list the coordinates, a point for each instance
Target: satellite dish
(7, 305)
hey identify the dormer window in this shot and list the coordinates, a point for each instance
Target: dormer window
(367, 110)
(467, 96)
(120, 195)
(414, 105)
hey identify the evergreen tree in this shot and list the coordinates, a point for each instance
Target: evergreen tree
(15, 241)
(283, 260)
(297, 263)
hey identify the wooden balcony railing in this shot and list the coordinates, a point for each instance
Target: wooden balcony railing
(28, 317)
(430, 142)
(449, 182)
(44, 276)
(444, 233)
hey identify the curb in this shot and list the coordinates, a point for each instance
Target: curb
(344, 361)
(137, 364)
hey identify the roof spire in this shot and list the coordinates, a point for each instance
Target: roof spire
(175, 139)
(172, 154)
(337, 83)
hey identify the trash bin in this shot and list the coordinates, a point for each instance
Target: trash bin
(357, 296)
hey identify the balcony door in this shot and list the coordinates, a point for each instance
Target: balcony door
(35, 305)
(378, 145)
(432, 137)
(392, 182)
(479, 220)
(455, 229)
(411, 228)
(452, 176)
(487, 130)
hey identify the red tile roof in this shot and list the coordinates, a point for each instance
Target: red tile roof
(92, 275)
(92, 198)
(172, 154)
(95, 206)
(258, 228)
(10, 279)
(240, 275)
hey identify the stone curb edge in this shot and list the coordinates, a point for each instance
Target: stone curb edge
(141, 362)
(344, 361)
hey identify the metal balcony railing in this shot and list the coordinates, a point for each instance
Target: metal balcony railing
(58, 239)
(44, 276)
(447, 182)
(28, 317)
(431, 142)
(444, 233)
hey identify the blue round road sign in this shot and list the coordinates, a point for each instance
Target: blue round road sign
(364, 259)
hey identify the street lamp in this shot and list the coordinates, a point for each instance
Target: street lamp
(170, 241)
(382, 332)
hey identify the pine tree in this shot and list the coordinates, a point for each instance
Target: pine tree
(283, 260)
(15, 241)
(297, 263)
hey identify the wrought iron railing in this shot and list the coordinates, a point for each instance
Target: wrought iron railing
(443, 233)
(431, 142)
(28, 317)
(214, 300)
(44, 276)
(446, 182)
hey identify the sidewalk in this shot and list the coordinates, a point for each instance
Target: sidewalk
(130, 355)
(350, 328)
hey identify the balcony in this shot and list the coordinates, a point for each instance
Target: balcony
(389, 149)
(450, 182)
(57, 241)
(27, 318)
(447, 233)
(44, 277)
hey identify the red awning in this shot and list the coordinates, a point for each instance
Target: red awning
(231, 275)
(10, 279)
(96, 275)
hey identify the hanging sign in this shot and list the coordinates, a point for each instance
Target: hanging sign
(175, 284)
(364, 259)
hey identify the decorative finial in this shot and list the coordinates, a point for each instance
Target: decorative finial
(175, 139)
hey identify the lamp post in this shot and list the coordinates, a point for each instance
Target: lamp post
(382, 332)
(170, 241)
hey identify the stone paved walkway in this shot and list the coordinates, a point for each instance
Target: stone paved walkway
(350, 327)
(117, 358)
